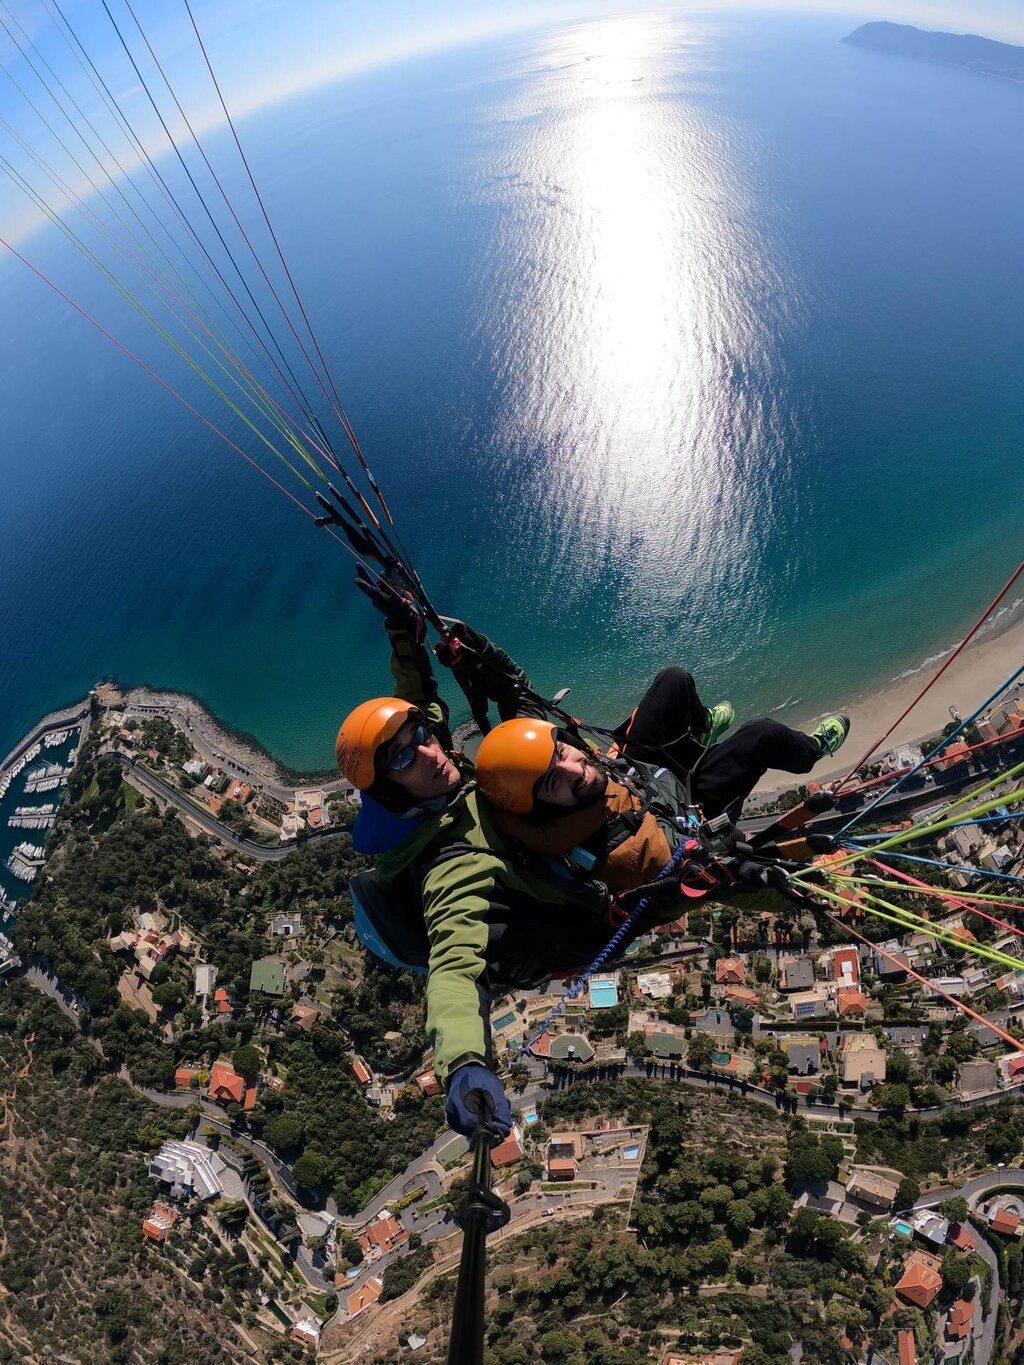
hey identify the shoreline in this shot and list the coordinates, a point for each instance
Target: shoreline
(980, 669)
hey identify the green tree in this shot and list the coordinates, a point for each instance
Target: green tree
(908, 1192)
(700, 1051)
(247, 1060)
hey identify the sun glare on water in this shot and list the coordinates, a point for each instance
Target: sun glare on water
(627, 301)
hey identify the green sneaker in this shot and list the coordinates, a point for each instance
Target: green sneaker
(831, 733)
(720, 717)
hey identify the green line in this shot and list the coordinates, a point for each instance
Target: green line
(993, 782)
(56, 219)
(931, 891)
(909, 835)
(908, 920)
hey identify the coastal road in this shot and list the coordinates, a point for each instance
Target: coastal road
(212, 747)
(151, 785)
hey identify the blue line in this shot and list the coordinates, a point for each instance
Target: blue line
(928, 757)
(606, 952)
(946, 867)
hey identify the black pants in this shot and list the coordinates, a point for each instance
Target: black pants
(666, 727)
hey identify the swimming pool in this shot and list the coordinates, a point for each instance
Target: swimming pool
(631, 1153)
(504, 1021)
(904, 1229)
(530, 1116)
(603, 995)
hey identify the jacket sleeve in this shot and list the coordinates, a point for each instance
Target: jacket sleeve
(414, 678)
(456, 902)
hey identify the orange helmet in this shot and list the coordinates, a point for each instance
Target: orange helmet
(362, 733)
(512, 759)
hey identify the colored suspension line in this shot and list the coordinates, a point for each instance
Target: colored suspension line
(953, 867)
(230, 207)
(247, 331)
(855, 819)
(912, 887)
(928, 686)
(1014, 1043)
(205, 206)
(907, 919)
(162, 331)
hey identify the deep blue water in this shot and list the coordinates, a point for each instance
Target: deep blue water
(670, 340)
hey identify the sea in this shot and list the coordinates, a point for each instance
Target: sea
(671, 338)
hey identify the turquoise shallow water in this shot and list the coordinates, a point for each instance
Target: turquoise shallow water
(671, 340)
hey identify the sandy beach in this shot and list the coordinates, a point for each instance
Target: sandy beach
(975, 675)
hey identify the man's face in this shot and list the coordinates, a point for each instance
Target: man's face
(573, 779)
(431, 772)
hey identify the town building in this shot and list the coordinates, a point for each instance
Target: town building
(306, 1331)
(978, 1077)
(286, 926)
(958, 1324)
(304, 1017)
(871, 1188)
(919, 1284)
(730, 971)
(930, 1226)
(809, 1004)
(222, 1003)
(361, 1071)
(510, 1150)
(803, 1055)
(382, 1235)
(228, 1087)
(861, 1061)
(906, 1347)
(655, 985)
(363, 1297)
(743, 996)
(851, 1003)
(667, 1047)
(570, 1047)
(428, 1083)
(1004, 1221)
(188, 1167)
(796, 974)
(267, 977)
(204, 980)
(159, 1221)
(846, 967)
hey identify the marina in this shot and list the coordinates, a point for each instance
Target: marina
(31, 788)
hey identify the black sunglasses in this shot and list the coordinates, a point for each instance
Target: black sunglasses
(406, 755)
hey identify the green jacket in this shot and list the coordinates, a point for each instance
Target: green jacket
(496, 917)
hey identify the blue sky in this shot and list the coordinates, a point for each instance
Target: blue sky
(268, 50)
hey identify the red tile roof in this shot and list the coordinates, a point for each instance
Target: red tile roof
(907, 1348)
(743, 995)
(508, 1151)
(222, 1000)
(361, 1071)
(960, 1315)
(919, 1284)
(1015, 1065)
(362, 1298)
(846, 955)
(1005, 1221)
(159, 1222)
(955, 753)
(428, 1083)
(729, 971)
(226, 1084)
(961, 1238)
(561, 1168)
(183, 1077)
(384, 1234)
(851, 1001)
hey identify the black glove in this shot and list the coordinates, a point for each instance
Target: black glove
(401, 616)
(486, 665)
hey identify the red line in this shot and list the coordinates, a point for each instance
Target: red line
(928, 686)
(933, 762)
(153, 375)
(956, 900)
(1015, 1043)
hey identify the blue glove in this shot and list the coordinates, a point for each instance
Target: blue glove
(475, 1095)
(399, 612)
